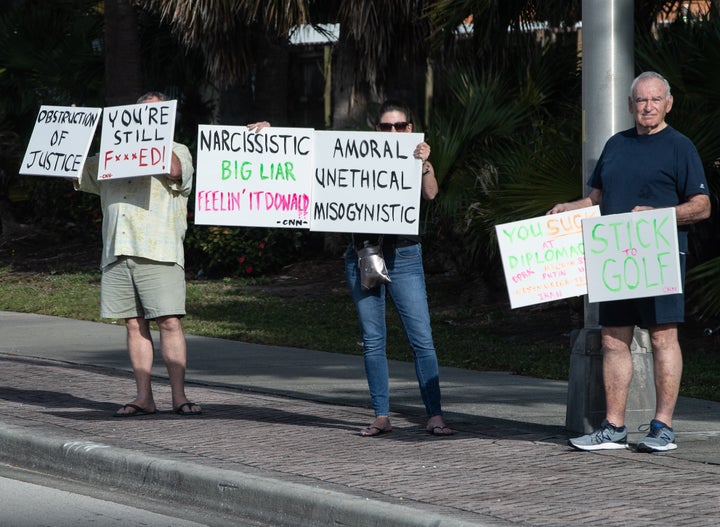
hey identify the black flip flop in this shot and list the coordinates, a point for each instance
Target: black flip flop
(179, 410)
(137, 413)
(374, 431)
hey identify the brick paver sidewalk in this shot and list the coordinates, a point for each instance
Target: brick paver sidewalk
(505, 478)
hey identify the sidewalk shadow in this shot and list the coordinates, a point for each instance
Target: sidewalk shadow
(52, 399)
(412, 430)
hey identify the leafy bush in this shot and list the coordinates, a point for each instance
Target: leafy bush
(239, 251)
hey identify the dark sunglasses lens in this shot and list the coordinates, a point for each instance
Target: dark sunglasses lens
(400, 127)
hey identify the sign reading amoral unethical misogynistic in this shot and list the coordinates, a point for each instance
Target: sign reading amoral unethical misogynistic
(366, 182)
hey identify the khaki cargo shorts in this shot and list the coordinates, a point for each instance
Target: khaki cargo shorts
(137, 287)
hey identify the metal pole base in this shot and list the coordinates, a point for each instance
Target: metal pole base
(586, 392)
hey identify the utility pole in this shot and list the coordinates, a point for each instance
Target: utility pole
(607, 71)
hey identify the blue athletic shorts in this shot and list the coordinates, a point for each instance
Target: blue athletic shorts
(645, 312)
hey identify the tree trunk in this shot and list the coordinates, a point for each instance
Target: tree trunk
(271, 80)
(350, 98)
(123, 77)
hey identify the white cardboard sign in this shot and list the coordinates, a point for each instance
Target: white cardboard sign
(543, 257)
(366, 182)
(137, 140)
(254, 179)
(60, 141)
(632, 255)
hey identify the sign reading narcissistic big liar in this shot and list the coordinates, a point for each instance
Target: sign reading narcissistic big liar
(254, 179)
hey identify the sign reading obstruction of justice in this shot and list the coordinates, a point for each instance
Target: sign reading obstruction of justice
(60, 141)
(543, 257)
(254, 179)
(632, 255)
(366, 182)
(137, 140)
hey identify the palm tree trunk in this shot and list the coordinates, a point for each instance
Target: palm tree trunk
(271, 80)
(123, 77)
(350, 99)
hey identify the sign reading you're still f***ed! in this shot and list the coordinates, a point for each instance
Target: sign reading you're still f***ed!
(632, 255)
(543, 258)
(137, 140)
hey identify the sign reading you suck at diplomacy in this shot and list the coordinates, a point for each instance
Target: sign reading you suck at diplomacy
(543, 258)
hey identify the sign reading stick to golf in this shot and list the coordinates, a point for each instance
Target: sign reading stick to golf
(632, 255)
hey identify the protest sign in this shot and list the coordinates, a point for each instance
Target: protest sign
(60, 141)
(366, 182)
(632, 255)
(254, 179)
(543, 257)
(137, 140)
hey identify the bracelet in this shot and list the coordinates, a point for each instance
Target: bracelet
(426, 171)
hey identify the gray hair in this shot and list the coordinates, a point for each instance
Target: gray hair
(649, 75)
(151, 95)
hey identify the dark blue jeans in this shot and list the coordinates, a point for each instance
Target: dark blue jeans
(407, 290)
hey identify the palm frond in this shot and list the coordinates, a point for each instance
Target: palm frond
(704, 288)
(482, 112)
(384, 34)
(224, 29)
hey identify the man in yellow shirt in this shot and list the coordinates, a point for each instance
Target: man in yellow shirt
(143, 275)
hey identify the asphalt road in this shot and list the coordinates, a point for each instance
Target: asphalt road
(34, 499)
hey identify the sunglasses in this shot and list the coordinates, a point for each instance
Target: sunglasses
(399, 126)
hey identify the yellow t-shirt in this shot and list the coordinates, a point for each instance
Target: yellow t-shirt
(143, 216)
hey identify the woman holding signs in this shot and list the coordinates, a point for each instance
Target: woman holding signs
(403, 259)
(406, 287)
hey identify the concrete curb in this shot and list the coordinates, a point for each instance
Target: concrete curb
(230, 492)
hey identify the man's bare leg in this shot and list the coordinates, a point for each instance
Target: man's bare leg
(668, 365)
(140, 349)
(617, 371)
(174, 352)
